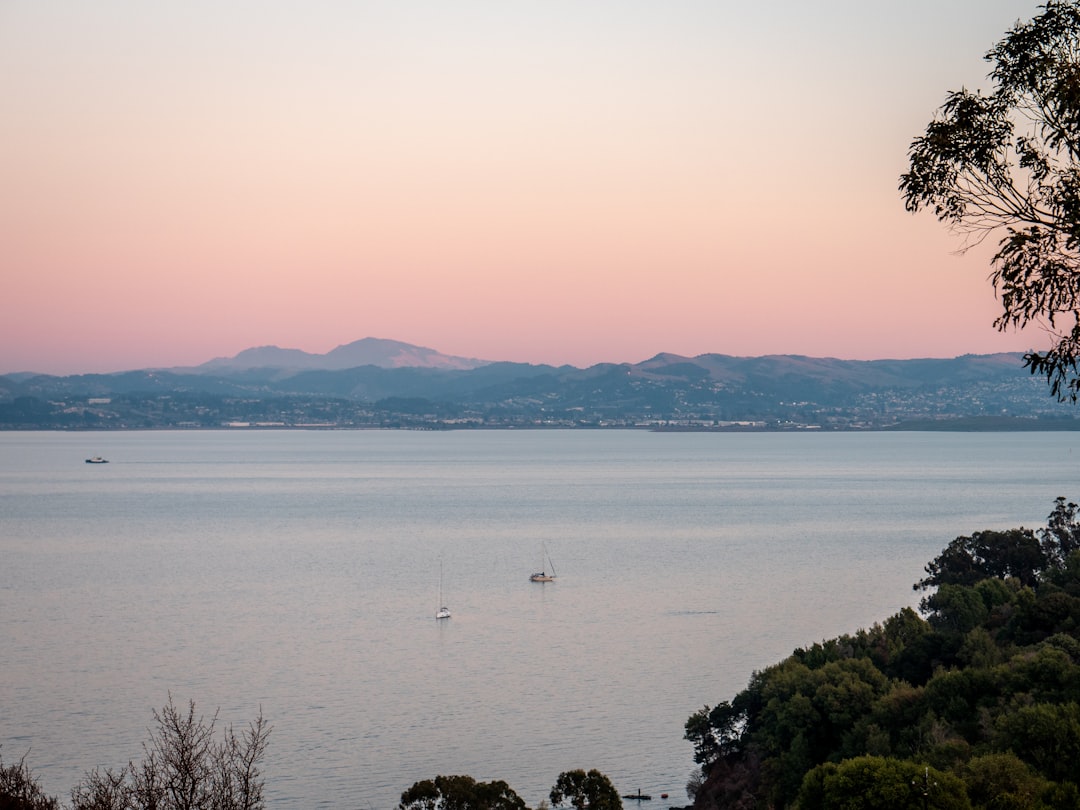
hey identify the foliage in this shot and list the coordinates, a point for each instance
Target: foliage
(1004, 782)
(1045, 735)
(1006, 163)
(585, 791)
(19, 789)
(880, 783)
(983, 695)
(590, 790)
(715, 732)
(968, 560)
(460, 793)
(1061, 537)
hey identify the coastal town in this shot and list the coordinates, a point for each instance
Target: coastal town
(1007, 407)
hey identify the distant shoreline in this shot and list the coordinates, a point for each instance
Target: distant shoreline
(973, 424)
(961, 424)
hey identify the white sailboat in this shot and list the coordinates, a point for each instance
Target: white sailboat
(442, 611)
(542, 575)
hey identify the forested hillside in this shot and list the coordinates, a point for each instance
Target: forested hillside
(715, 392)
(976, 705)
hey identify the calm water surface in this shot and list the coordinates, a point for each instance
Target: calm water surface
(299, 571)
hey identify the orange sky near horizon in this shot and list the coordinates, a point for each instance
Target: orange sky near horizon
(557, 182)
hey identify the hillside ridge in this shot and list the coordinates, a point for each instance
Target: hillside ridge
(397, 385)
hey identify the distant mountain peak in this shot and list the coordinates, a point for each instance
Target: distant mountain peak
(367, 351)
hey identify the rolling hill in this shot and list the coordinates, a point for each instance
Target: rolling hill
(374, 381)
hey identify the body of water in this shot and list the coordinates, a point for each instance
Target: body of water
(299, 572)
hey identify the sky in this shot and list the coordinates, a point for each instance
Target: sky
(544, 181)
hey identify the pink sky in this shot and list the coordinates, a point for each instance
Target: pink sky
(556, 182)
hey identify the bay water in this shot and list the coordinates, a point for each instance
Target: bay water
(298, 572)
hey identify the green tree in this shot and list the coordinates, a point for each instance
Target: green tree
(585, 791)
(715, 733)
(955, 608)
(880, 783)
(1005, 163)
(1061, 537)
(460, 793)
(1003, 782)
(1045, 735)
(985, 555)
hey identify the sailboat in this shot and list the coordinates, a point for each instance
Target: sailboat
(542, 575)
(442, 611)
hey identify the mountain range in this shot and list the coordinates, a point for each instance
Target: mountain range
(375, 381)
(366, 352)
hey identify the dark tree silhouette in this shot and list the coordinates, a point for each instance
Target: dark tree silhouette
(20, 790)
(585, 791)
(184, 768)
(460, 793)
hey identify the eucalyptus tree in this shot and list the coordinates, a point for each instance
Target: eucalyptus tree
(1006, 164)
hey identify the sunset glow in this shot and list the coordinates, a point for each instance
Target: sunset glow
(556, 182)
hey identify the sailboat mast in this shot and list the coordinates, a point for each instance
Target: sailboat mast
(441, 611)
(545, 560)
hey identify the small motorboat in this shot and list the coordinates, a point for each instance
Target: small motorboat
(97, 460)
